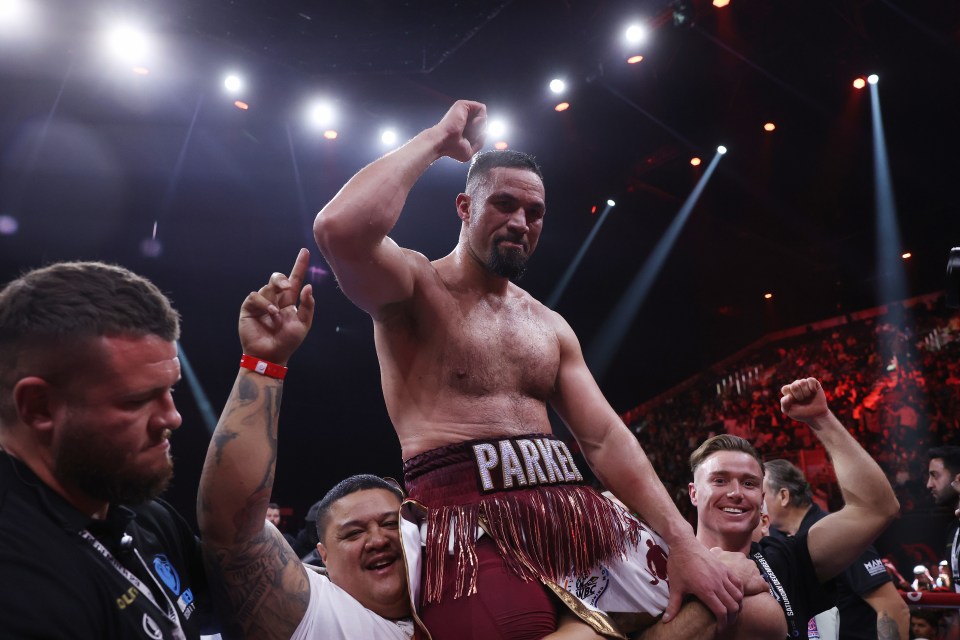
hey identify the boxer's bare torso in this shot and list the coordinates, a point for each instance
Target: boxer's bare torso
(459, 363)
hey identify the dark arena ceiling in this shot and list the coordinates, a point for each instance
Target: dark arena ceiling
(160, 172)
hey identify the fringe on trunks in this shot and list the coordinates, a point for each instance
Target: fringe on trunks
(529, 496)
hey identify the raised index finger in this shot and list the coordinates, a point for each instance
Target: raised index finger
(299, 272)
(297, 275)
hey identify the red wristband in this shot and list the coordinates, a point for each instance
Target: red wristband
(263, 367)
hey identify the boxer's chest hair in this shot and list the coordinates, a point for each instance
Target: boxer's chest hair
(503, 346)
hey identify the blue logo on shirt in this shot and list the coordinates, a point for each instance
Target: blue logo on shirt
(167, 573)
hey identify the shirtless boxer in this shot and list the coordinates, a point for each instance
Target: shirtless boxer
(469, 362)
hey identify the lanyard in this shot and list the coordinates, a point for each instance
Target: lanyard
(954, 552)
(779, 594)
(170, 613)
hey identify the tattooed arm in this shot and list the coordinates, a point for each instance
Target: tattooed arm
(893, 615)
(260, 587)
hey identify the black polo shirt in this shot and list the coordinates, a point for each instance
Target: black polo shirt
(58, 584)
(858, 620)
(789, 560)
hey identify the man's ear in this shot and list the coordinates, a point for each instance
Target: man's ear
(34, 401)
(322, 550)
(783, 497)
(692, 491)
(463, 207)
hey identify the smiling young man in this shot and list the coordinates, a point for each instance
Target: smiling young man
(469, 364)
(88, 358)
(727, 490)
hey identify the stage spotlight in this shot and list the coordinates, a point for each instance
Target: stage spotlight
(322, 114)
(873, 78)
(859, 83)
(501, 145)
(721, 149)
(388, 137)
(907, 255)
(769, 127)
(240, 104)
(634, 59)
(557, 85)
(611, 203)
(128, 43)
(695, 161)
(719, 4)
(496, 128)
(635, 34)
(767, 296)
(13, 14)
(563, 106)
(330, 134)
(232, 83)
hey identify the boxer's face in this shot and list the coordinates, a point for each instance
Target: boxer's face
(363, 554)
(504, 217)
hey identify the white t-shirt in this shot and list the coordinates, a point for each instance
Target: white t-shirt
(333, 614)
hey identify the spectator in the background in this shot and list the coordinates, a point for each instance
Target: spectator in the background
(944, 475)
(273, 517)
(925, 624)
(867, 599)
(273, 514)
(304, 544)
(944, 580)
(922, 580)
(896, 577)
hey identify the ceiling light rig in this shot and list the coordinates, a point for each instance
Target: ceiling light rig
(232, 83)
(636, 33)
(388, 137)
(14, 14)
(497, 131)
(129, 45)
(322, 115)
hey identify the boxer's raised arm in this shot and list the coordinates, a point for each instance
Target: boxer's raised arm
(352, 229)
